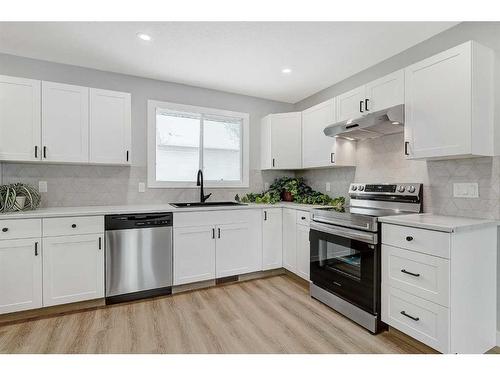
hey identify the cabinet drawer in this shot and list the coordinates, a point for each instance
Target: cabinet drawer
(423, 275)
(423, 320)
(416, 239)
(303, 217)
(20, 228)
(63, 226)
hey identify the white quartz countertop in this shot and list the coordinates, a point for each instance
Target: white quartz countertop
(130, 209)
(440, 223)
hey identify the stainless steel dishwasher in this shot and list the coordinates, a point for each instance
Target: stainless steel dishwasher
(138, 256)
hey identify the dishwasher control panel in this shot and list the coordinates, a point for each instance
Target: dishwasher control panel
(131, 221)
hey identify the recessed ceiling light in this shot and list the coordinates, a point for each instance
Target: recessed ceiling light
(143, 36)
(286, 70)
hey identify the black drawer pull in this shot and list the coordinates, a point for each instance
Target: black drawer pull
(213, 233)
(409, 238)
(100, 243)
(45, 152)
(218, 232)
(406, 148)
(36, 249)
(409, 316)
(410, 273)
(5, 229)
(303, 217)
(361, 106)
(73, 225)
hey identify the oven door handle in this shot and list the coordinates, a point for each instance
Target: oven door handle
(345, 232)
(321, 220)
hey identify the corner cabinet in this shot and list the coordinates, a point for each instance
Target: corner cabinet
(319, 150)
(281, 141)
(20, 123)
(449, 104)
(60, 123)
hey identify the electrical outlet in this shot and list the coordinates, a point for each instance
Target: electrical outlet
(142, 187)
(466, 190)
(266, 185)
(327, 187)
(42, 186)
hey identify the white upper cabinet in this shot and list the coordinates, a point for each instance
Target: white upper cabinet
(385, 92)
(281, 141)
(60, 123)
(449, 104)
(20, 124)
(65, 123)
(110, 127)
(350, 105)
(319, 150)
(272, 238)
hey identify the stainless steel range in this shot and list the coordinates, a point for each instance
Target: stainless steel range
(345, 248)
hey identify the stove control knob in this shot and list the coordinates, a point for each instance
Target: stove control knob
(401, 189)
(411, 189)
(354, 188)
(361, 188)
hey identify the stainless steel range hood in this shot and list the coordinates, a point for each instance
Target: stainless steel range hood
(373, 125)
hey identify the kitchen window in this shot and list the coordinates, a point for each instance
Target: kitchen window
(183, 139)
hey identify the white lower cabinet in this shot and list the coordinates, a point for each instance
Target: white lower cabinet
(73, 269)
(272, 238)
(214, 244)
(440, 287)
(20, 275)
(236, 250)
(303, 260)
(194, 254)
(289, 239)
(296, 242)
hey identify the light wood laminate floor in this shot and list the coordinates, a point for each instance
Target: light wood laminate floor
(272, 315)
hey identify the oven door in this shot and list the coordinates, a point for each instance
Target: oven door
(344, 262)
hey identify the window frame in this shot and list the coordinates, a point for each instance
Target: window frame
(153, 105)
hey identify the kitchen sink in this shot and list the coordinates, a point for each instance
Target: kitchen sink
(205, 204)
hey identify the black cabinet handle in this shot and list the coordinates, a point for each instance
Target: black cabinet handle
(213, 233)
(366, 104)
(332, 157)
(273, 162)
(73, 225)
(361, 106)
(409, 238)
(36, 152)
(100, 243)
(127, 155)
(406, 148)
(218, 232)
(303, 217)
(265, 215)
(409, 316)
(410, 273)
(5, 229)
(45, 152)
(36, 249)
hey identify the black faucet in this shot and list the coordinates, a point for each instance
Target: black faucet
(199, 182)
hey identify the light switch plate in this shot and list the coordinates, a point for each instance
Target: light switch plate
(327, 187)
(466, 190)
(42, 186)
(142, 187)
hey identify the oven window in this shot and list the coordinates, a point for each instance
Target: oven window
(340, 258)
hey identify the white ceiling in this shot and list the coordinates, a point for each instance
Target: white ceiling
(239, 57)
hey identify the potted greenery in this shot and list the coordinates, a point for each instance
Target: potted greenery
(290, 190)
